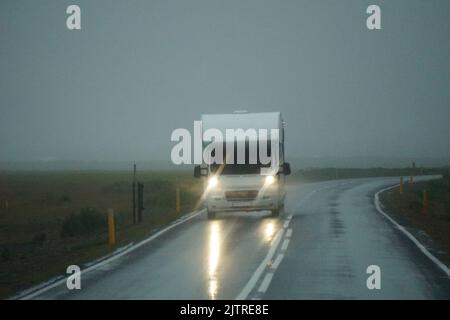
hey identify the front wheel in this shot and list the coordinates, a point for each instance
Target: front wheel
(277, 212)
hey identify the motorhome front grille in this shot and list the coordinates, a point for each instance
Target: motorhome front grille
(241, 195)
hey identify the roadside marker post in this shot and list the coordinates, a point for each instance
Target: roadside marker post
(111, 228)
(401, 185)
(178, 205)
(425, 202)
(134, 193)
(140, 201)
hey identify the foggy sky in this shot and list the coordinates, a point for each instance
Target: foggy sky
(139, 69)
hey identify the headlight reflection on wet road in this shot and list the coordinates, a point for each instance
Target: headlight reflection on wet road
(266, 232)
(213, 258)
(269, 230)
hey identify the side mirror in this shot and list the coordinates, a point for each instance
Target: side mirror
(200, 171)
(286, 168)
(197, 172)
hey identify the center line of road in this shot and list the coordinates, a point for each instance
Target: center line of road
(277, 261)
(289, 233)
(257, 274)
(250, 285)
(285, 244)
(265, 283)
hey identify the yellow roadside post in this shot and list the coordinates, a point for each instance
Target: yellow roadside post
(425, 202)
(178, 205)
(401, 185)
(413, 171)
(111, 228)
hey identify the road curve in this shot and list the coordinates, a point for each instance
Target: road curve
(319, 249)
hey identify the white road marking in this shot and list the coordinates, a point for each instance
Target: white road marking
(285, 244)
(58, 282)
(265, 283)
(257, 274)
(286, 224)
(289, 233)
(277, 261)
(422, 248)
(250, 285)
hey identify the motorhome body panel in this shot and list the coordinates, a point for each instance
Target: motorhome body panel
(244, 188)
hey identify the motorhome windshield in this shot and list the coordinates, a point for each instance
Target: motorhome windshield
(232, 167)
(238, 169)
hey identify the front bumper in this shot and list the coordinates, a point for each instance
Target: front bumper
(219, 203)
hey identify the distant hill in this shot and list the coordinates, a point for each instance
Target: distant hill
(89, 165)
(365, 162)
(296, 163)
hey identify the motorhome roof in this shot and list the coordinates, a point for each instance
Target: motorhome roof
(263, 120)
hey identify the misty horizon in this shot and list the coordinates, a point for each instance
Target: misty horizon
(115, 90)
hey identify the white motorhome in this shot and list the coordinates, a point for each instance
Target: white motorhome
(255, 184)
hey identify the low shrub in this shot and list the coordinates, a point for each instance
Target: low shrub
(85, 222)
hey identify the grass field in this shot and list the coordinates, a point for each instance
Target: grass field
(321, 174)
(34, 207)
(407, 208)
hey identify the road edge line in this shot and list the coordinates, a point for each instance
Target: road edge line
(109, 259)
(422, 248)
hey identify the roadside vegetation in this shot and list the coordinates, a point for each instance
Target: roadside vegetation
(49, 220)
(321, 174)
(434, 219)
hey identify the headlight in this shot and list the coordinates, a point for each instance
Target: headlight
(270, 180)
(213, 181)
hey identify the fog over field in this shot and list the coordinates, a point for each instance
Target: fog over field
(113, 92)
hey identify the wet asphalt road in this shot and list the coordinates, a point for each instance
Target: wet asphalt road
(319, 249)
